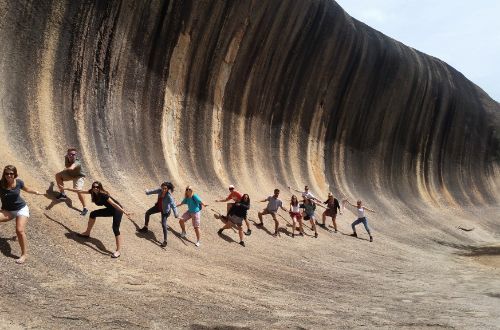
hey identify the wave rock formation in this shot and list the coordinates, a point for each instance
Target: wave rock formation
(259, 94)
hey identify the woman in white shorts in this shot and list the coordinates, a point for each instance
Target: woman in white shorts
(13, 206)
(194, 204)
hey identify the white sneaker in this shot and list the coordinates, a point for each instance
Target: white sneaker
(197, 244)
(183, 234)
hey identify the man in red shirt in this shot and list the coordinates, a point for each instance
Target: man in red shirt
(236, 197)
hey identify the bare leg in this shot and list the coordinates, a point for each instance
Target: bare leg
(183, 226)
(313, 225)
(276, 224)
(260, 218)
(197, 232)
(59, 182)
(118, 243)
(21, 237)
(334, 221)
(82, 199)
(90, 225)
(5, 216)
(248, 225)
(323, 217)
(240, 233)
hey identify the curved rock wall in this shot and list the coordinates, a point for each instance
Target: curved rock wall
(248, 92)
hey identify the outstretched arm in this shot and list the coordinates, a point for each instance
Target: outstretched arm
(369, 209)
(152, 191)
(118, 207)
(289, 188)
(31, 191)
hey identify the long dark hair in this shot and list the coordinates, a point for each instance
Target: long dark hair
(3, 181)
(101, 190)
(243, 201)
(296, 201)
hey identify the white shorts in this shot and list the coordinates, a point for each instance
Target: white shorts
(25, 211)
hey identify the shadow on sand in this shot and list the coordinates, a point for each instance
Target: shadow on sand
(5, 247)
(90, 242)
(51, 194)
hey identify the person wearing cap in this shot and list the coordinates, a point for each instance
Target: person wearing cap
(236, 196)
(332, 205)
(273, 204)
(164, 204)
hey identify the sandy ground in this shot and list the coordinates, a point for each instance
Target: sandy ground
(334, 281)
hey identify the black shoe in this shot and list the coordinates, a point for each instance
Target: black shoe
(315, 235)
(84, 212)
(322, 225)
(61, 196)
(164, 244)
(248, 232)
(354, 235)
(293, 235)
(242, 243)
(371, 239)
(220, 231)
(301, 234)
(143, 230)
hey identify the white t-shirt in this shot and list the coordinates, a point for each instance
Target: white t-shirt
(361, 212)
(295, 209)
(307, 194)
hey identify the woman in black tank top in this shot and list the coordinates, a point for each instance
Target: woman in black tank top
(112, 208)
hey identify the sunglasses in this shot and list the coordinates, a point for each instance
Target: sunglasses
(95, 187)
(9, 173)
(188, 189)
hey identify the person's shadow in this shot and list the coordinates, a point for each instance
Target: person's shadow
(90, 242)
(261, 227)
(51, 194)
(5, 247)
(150, 236)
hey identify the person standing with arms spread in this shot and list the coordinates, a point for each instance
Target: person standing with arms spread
(13, 206)
(331, 211)
(112, 208)
(194, 204)
(236, 196)
(165, 204)
(273, 204)
(306, 194)
(361, 218)
(72, 172)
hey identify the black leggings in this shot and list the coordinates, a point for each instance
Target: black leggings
(109, 212)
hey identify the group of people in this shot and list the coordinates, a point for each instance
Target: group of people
(14, 207)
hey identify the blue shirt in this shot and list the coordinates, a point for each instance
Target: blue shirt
(193, 203)
(11, 199)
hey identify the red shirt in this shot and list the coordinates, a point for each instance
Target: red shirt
(234, 195)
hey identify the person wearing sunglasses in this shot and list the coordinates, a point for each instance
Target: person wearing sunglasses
(112, 208)
(13, 206)
(195, 205)
(72, 172)
(361, 217)
(164, 204)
